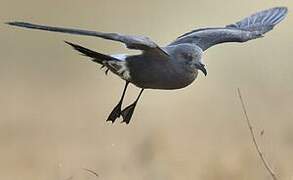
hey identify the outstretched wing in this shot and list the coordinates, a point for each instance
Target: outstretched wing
(249, 28)
(132, 42)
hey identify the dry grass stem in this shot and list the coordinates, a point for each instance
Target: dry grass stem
(92, 172)
(260, 153)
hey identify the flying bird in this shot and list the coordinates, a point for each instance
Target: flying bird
(174, 66)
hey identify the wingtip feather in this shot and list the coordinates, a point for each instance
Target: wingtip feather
(262, 21)
(15, 23)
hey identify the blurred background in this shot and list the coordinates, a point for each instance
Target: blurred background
(54, 103)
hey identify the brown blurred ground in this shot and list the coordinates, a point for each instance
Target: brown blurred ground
(54, 103)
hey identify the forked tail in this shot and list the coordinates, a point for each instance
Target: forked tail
(96, 57)
(116, 65)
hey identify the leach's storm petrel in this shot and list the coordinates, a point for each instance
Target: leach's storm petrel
(174, 66)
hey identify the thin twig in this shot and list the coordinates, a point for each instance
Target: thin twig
(260, 153)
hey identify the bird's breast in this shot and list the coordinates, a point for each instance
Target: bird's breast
(160, 74)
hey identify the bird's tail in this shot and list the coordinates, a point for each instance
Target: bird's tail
(111, 63)
(95, 56)
(261, 22)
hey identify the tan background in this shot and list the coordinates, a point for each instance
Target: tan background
(53, 102)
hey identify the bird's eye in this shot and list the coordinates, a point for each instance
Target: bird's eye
(187, 56)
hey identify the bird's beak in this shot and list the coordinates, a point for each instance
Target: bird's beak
(201, 67)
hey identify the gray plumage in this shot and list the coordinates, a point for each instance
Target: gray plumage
(174, 66)
(249, 28)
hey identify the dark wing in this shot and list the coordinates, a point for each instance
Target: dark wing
(132, 42)
(249, 28)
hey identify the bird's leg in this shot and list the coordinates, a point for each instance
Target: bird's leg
(128, 111)
(116, 112)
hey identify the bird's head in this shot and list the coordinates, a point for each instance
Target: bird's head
(192, 55)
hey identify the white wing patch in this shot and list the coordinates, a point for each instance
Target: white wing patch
(121, 57)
